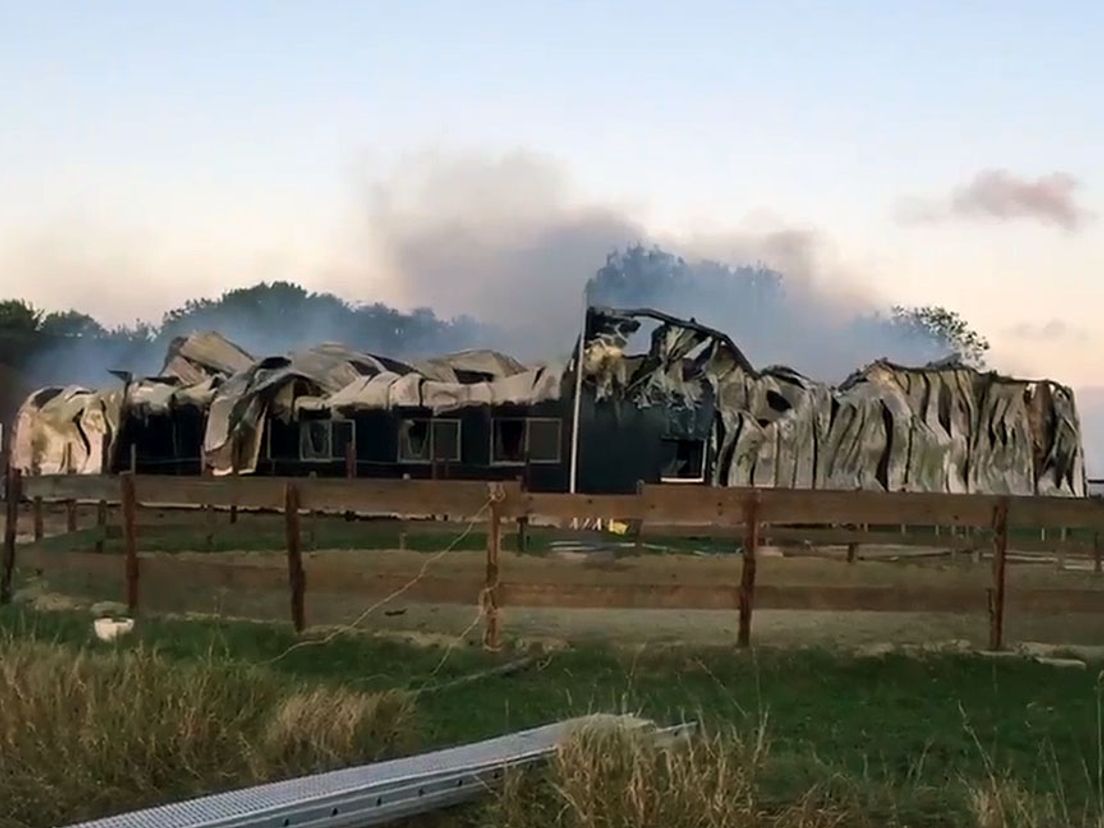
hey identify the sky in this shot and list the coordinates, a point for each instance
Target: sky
(945, 153)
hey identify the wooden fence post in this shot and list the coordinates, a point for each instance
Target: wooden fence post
(638, 535)
(523, 533)
(1060, 554)
(208, 510)
(490, 600)
(297, 579)
(350, 472)
(747, 575)
(101, 525)
(996, 599)
(130, 534)
(234, 505)
(36, 511)
(350, 459)
(12, 492)
(853, 548)
(312, 518)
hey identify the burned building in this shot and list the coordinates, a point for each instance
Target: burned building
(659, 399)
(692, 407)
(474, 414)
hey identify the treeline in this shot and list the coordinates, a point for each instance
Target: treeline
(750, 302)
(775, 322)
(73, 347)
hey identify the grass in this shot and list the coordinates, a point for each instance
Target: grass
(624, 779)
(265, 533)
(931, 741)
(85, 733)
(187, 530)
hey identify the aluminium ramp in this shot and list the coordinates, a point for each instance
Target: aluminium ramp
(368, 794)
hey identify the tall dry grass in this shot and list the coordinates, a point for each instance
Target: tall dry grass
(618, 778)
(83, 733)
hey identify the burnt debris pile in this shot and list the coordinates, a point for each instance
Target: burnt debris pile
(662, 399)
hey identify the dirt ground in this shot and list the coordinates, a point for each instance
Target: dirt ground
(266, 597)
(192, 583)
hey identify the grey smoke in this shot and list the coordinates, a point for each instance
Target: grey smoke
(1049, 331)
(1090, 408)
(1000, 195)
(501, 239)
(504, 239)
(500, 249)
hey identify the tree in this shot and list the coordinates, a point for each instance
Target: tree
(19, 317)
(70, 324)
(272, 318)
(943, 329)
(653, 277)
(19, 323)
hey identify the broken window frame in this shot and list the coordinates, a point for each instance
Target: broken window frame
(323, 427)
(432, 424)
(339, 451)
(329, 427)
(529, 440)
(700, 478)
(435, 424)
(526, 458)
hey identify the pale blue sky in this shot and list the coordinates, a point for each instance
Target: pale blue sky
(196, 146)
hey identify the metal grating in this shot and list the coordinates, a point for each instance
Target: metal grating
(367, 794)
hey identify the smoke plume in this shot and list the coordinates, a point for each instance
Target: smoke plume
(496, 252)
(1003, 196)
(1049, 331)
(500, 239)
(506, 240)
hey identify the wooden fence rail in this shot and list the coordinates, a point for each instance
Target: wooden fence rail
(671, 505)
(754, 515)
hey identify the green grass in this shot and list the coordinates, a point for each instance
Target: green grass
(89, 731)
(262, 534)
(265, 536)
(910, 733)
(265, 532)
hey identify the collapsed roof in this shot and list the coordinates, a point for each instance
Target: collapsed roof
(66, 430)
(192, 359)
(238, 392)
(944, 427)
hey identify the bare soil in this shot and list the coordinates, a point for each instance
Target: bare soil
(880, 566)
(623, 626)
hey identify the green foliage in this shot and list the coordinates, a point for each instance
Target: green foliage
(17, 316)
(19, 323)
(275, 317)
(70, 323)
(71, 347)
(902, 740)
(650, 276)
(944, 329)
(88, 732)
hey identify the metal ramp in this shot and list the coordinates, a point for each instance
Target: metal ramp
(370, 794)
